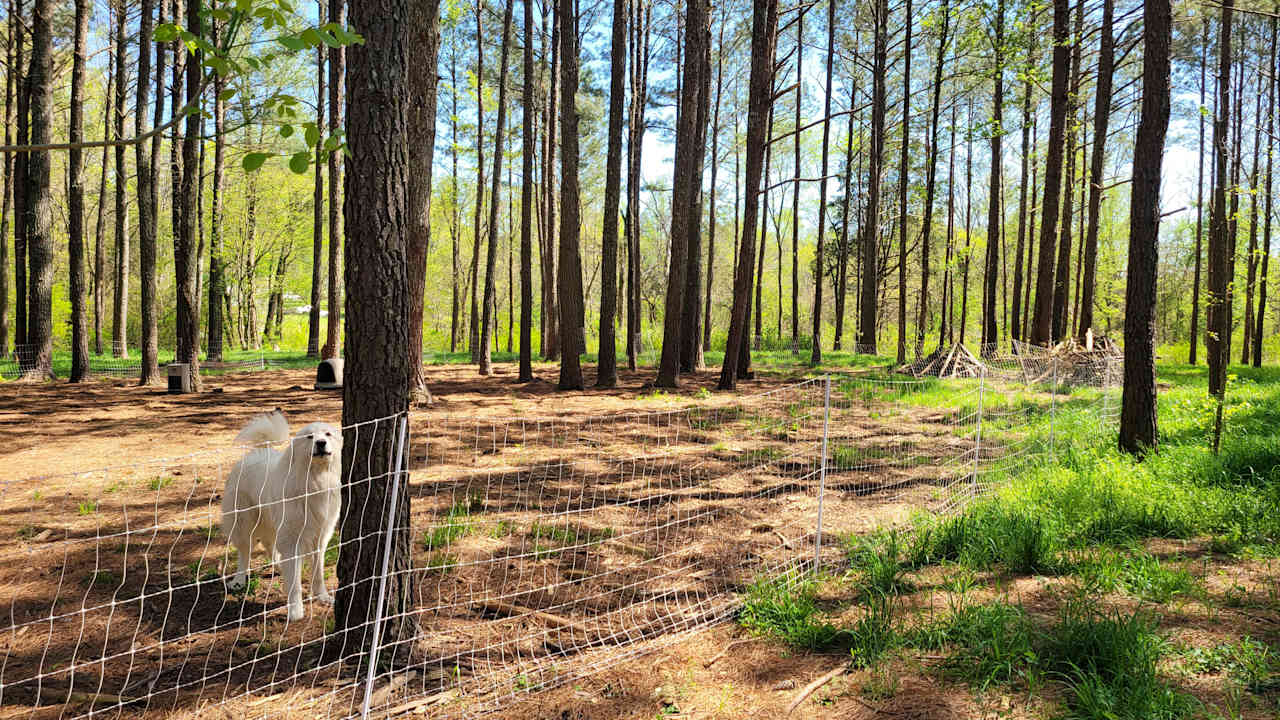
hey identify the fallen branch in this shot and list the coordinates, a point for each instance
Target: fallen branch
(725, 651)
(809, 689)
(498, 607)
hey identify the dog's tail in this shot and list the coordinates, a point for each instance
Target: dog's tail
(265, 429)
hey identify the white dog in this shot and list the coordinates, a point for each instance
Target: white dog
(286, 500)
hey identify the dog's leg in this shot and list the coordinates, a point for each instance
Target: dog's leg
(243, 542)
(318, 591)
(291, 569)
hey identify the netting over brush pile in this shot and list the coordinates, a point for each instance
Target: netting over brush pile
(542, 550)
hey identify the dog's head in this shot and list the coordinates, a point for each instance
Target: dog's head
(319, 441)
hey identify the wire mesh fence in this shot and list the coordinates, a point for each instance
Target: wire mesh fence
(539, 550)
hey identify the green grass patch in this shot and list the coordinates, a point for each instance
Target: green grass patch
(991, 644)
(1137, 573)
(786, 608)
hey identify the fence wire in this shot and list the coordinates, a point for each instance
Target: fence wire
(541, 550)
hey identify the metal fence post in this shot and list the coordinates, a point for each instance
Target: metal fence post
(822, 470)
(977, 441)
(1053, 408)
(398, 445)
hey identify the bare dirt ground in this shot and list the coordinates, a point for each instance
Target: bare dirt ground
(543, 549)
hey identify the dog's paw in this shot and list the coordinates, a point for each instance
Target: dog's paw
(296, 613)
(323, 598)
(235, 583)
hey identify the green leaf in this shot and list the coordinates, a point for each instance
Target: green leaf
(300, 161)
(220, 14)
(286, 131)
(226, 95)
(312, 134)
(165, 32)
(253, 161)
(293, 43)
(311, 37)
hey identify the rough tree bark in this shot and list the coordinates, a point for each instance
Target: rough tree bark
(931, 176)
(317, 213)
(75, 199)
(1217, 311)
(607, 366)
(995, 229)
(691, 319)
(526, 207)
(377, 220)
(424, 52)
(904, 168)
(215, 332)
(1267, 204)
(1195, 283)
(685, 187)
(473, 336)
(337, 72)
(1042, 321)
(120, 285)
(868, 315)
(1101, 118)
(1138, 405)
(569, 279)
(488, 314)
(764, 30)
(185, 237)
(39, 201)
(1062, 279)
(147, 219)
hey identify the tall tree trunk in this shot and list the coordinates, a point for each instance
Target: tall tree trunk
(147, 221)
(550, 290)
(99, 247)
(931, 184)
(868, 315)
(337, 74)
(38, 206)
(1267, 204)
(1027, 312)
(1195, 283)
(764, 235)
(904, 168)
(7, 191)
(1042, 321)
(317, 213)
(488, 319)
(569, 280)
(711, 210)
(1062, 280)
(795, 190)
(684, 191)
(947, 330)
(842, 255)
(214, 339)
(18, 24)
(1138, 405)
(75, 199)
(1218, 311)
(185, 238)
(691, 320)
(424, 54)
(635, 145)
(995, 228)
(177, 83)
(968, 226)
(120, 306)
(764, 31)
(377, 378)
(1251, 259)
(455, 307)
(1101, 118)
(527, 137)
(1016, 311)
(477, 228)
(607, 366)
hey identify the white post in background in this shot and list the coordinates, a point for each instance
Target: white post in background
(822, 470)
(398, 445)
(977, 441)
(1053, 407)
